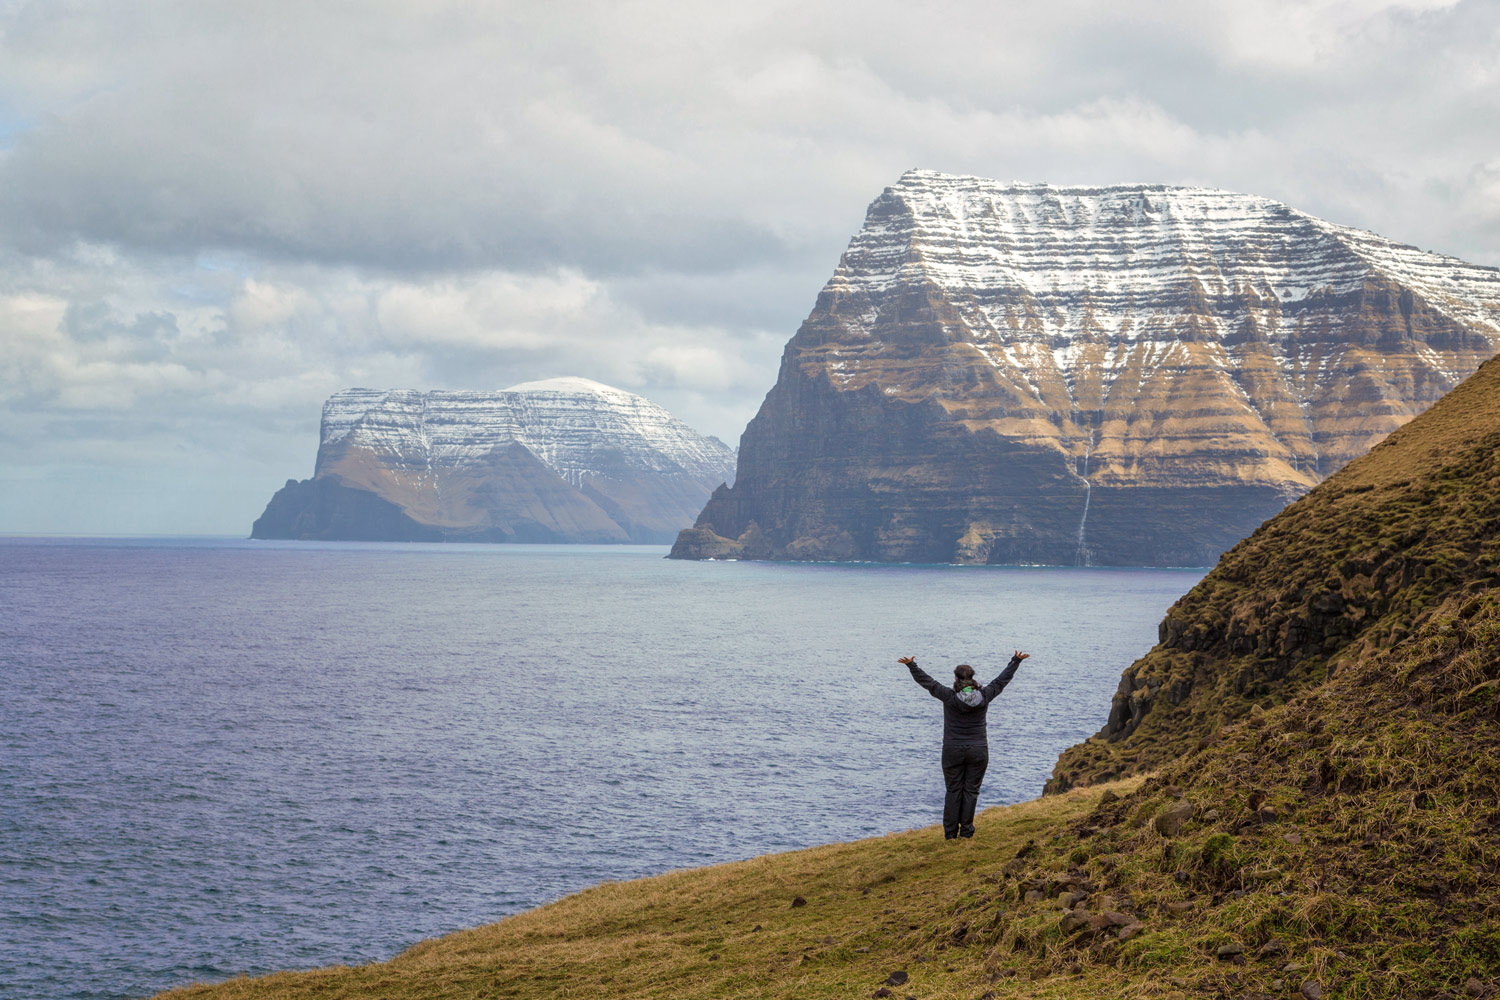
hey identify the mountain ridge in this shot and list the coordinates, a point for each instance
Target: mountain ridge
(1116, 375)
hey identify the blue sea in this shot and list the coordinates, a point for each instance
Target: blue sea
(223, 757)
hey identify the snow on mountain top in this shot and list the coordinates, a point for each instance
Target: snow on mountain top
(566, 383)
(916, 178)
(1124, 247)
(574, 425)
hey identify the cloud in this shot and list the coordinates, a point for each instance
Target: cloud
(214, 215)
(486, 312)
(416, 138)
(95, 393)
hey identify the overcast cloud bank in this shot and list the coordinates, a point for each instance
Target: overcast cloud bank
(214, 216)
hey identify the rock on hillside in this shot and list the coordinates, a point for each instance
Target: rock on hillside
(564, 460)
(1390, 548)
(1019, 373)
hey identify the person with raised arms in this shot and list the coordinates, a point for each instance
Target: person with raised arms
(966, 745)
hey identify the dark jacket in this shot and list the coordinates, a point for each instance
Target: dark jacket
(963, 724)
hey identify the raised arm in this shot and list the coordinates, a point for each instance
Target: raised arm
(994, 687)
(919, 675)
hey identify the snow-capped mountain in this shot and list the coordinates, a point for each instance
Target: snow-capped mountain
(565, 459)
(1129, 374)
(576, 426)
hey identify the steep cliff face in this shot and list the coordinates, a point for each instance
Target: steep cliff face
(1124, 375)
(565, 460)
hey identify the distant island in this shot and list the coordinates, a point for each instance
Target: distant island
(1127, 375)
(561, 460)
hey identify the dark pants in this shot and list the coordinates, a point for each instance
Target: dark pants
(963, 771)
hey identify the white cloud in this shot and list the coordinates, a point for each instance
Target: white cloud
(692, 365)
(261, 305)
(487, 311)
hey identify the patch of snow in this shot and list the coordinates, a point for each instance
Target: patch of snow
(1041, 272)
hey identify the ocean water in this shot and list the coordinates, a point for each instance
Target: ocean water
(222, 756)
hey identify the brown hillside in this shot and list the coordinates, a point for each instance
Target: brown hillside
(1358, 564)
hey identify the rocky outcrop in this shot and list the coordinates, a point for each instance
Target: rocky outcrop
(566, 460)
(1134, 375)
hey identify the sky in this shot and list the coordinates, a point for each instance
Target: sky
(215, 215)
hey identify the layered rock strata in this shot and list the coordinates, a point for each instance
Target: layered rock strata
(1134, 375)
(565, 460)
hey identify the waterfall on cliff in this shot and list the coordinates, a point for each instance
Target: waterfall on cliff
(1082, 557)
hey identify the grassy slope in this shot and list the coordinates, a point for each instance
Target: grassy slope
(873, 907)
(1336, 751)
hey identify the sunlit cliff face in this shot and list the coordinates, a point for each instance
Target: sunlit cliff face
(1130, 375)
